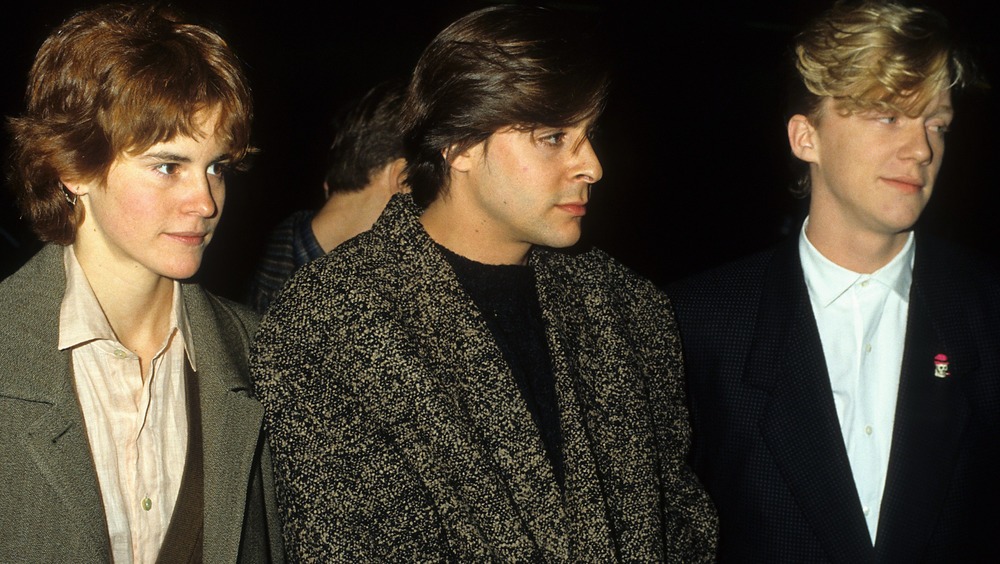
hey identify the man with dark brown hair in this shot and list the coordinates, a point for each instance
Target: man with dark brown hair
(451, 385)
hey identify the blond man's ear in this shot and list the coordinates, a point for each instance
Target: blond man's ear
(802, 138)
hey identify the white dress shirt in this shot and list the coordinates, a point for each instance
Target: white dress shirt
(862, 325)
(137, 429)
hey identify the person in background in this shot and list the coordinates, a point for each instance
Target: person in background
(845, 386)
(363, 170)
(130, 431)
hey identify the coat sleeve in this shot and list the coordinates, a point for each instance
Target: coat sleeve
(690, 520)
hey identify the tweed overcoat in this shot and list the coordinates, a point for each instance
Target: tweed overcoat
(399, 433)
(767, 439)
(50, 500)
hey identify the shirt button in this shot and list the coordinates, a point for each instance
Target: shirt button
(864, 284)
(868, 429)
(120, 353)
(147, 503)
(865, 509)
(868, 347)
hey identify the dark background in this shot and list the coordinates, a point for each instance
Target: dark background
(696, 165)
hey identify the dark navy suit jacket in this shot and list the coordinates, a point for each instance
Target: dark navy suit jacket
(767, 441)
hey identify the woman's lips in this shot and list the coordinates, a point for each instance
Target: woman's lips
(192, 238)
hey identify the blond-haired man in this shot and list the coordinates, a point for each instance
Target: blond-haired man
(844, 386)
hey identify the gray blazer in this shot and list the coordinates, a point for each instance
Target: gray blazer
(50, 501)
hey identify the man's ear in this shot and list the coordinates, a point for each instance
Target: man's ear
(803, 139)
(462, 162)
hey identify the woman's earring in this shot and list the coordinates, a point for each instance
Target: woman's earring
(71, 198)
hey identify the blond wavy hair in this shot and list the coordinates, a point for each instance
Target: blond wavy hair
(873, 56)
(881, 56)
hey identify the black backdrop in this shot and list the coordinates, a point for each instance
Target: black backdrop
(693, 145)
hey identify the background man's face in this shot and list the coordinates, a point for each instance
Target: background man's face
(532, 187)
(875, 171)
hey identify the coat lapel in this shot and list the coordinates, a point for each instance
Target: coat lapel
(231, 426)
(580, 420)
(931, 415)
(612, 489)
(455, 412)
(800, 424)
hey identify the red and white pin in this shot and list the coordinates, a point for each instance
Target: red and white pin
(941, 366)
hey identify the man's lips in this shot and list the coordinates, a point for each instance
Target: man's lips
(574, 209)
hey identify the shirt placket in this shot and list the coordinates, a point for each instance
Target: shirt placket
(868, 432)
(137, 440)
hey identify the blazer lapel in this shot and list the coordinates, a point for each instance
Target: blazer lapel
(800, 423)
(57, 440)
(931, 416)
(231, 427)
(59, 446)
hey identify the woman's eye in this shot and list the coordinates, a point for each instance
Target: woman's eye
(217, 169)
(167, 168)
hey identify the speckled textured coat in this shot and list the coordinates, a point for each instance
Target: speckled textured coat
(50, 500)
(400, 434)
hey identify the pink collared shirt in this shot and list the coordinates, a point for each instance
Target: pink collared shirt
(137, 429)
